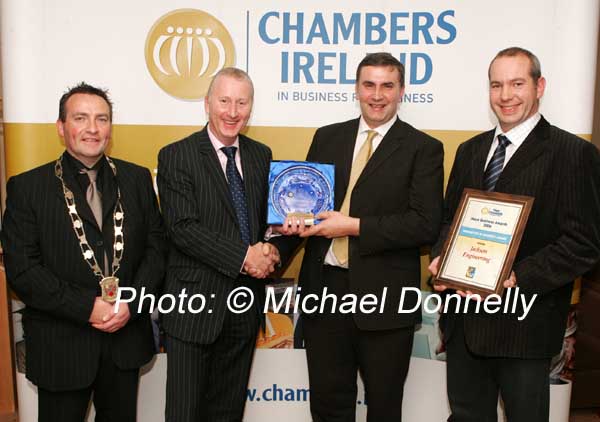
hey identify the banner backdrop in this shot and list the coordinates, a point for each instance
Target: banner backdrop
(157, 59)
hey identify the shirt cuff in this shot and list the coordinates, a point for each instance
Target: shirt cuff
(244, 262)
(270, 234)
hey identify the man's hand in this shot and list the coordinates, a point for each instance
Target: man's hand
(102, 312)
(333, 224)
(291, 226)
(512, 280)
(433, 268)
(271, 252)
(117, 321)
(261, 260)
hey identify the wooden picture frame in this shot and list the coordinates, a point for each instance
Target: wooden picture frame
(483, 241)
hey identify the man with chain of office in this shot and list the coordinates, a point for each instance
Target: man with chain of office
(76, 229)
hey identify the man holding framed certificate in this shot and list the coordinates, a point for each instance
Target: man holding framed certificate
(525, 157)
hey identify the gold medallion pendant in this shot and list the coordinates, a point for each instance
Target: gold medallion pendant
(110, 287)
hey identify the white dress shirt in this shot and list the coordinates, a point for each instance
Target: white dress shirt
(516, 136)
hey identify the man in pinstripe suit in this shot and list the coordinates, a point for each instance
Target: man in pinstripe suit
(490, 354)
(77, 343)
(213, 191)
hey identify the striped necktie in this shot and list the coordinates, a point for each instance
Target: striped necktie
(496, 164)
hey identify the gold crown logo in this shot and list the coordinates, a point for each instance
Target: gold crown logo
(184, 50)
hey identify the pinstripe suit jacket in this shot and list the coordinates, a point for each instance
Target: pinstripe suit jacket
(45, 268)
(207, 253)
(561, 239)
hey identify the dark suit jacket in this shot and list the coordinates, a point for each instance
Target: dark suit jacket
(207, 252)
(398, 198)
(561, 239)
(45, 267)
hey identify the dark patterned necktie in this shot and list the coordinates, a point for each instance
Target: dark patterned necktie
(238, 194)
(496, 164)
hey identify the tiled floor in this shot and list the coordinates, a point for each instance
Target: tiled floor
(585, 415)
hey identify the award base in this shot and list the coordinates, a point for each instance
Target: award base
(309, 219)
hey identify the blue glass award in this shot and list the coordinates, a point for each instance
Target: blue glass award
(299, 189)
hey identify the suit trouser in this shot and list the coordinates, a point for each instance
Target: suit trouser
(337, 349)
(474, 383)
(114, 395)
(208, 382)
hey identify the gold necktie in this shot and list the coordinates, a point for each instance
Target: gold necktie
(94, 200)
(93, 197)
(340, 244)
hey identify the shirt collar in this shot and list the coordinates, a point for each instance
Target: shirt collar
(217, 145)
(381, 130)
(519, 133)
(77, 165)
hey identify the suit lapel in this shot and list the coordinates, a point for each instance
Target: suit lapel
(534, 145)
(215, 171)
(109, 191)
(390, 143)
(479, 159)
(343, 160)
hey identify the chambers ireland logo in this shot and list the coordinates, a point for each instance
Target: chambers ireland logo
(184, 50)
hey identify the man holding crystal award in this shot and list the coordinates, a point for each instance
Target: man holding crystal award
(75, 230)
(388, 204)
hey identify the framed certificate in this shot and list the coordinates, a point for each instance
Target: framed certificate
(301, 189)
(483, 241)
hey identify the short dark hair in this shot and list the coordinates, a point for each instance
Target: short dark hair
(535, 69)
(82, 88)
(382, 59)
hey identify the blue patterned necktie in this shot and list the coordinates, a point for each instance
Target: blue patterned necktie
(496, 164)
(238, 194)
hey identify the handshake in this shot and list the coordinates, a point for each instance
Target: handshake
(261, 260)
